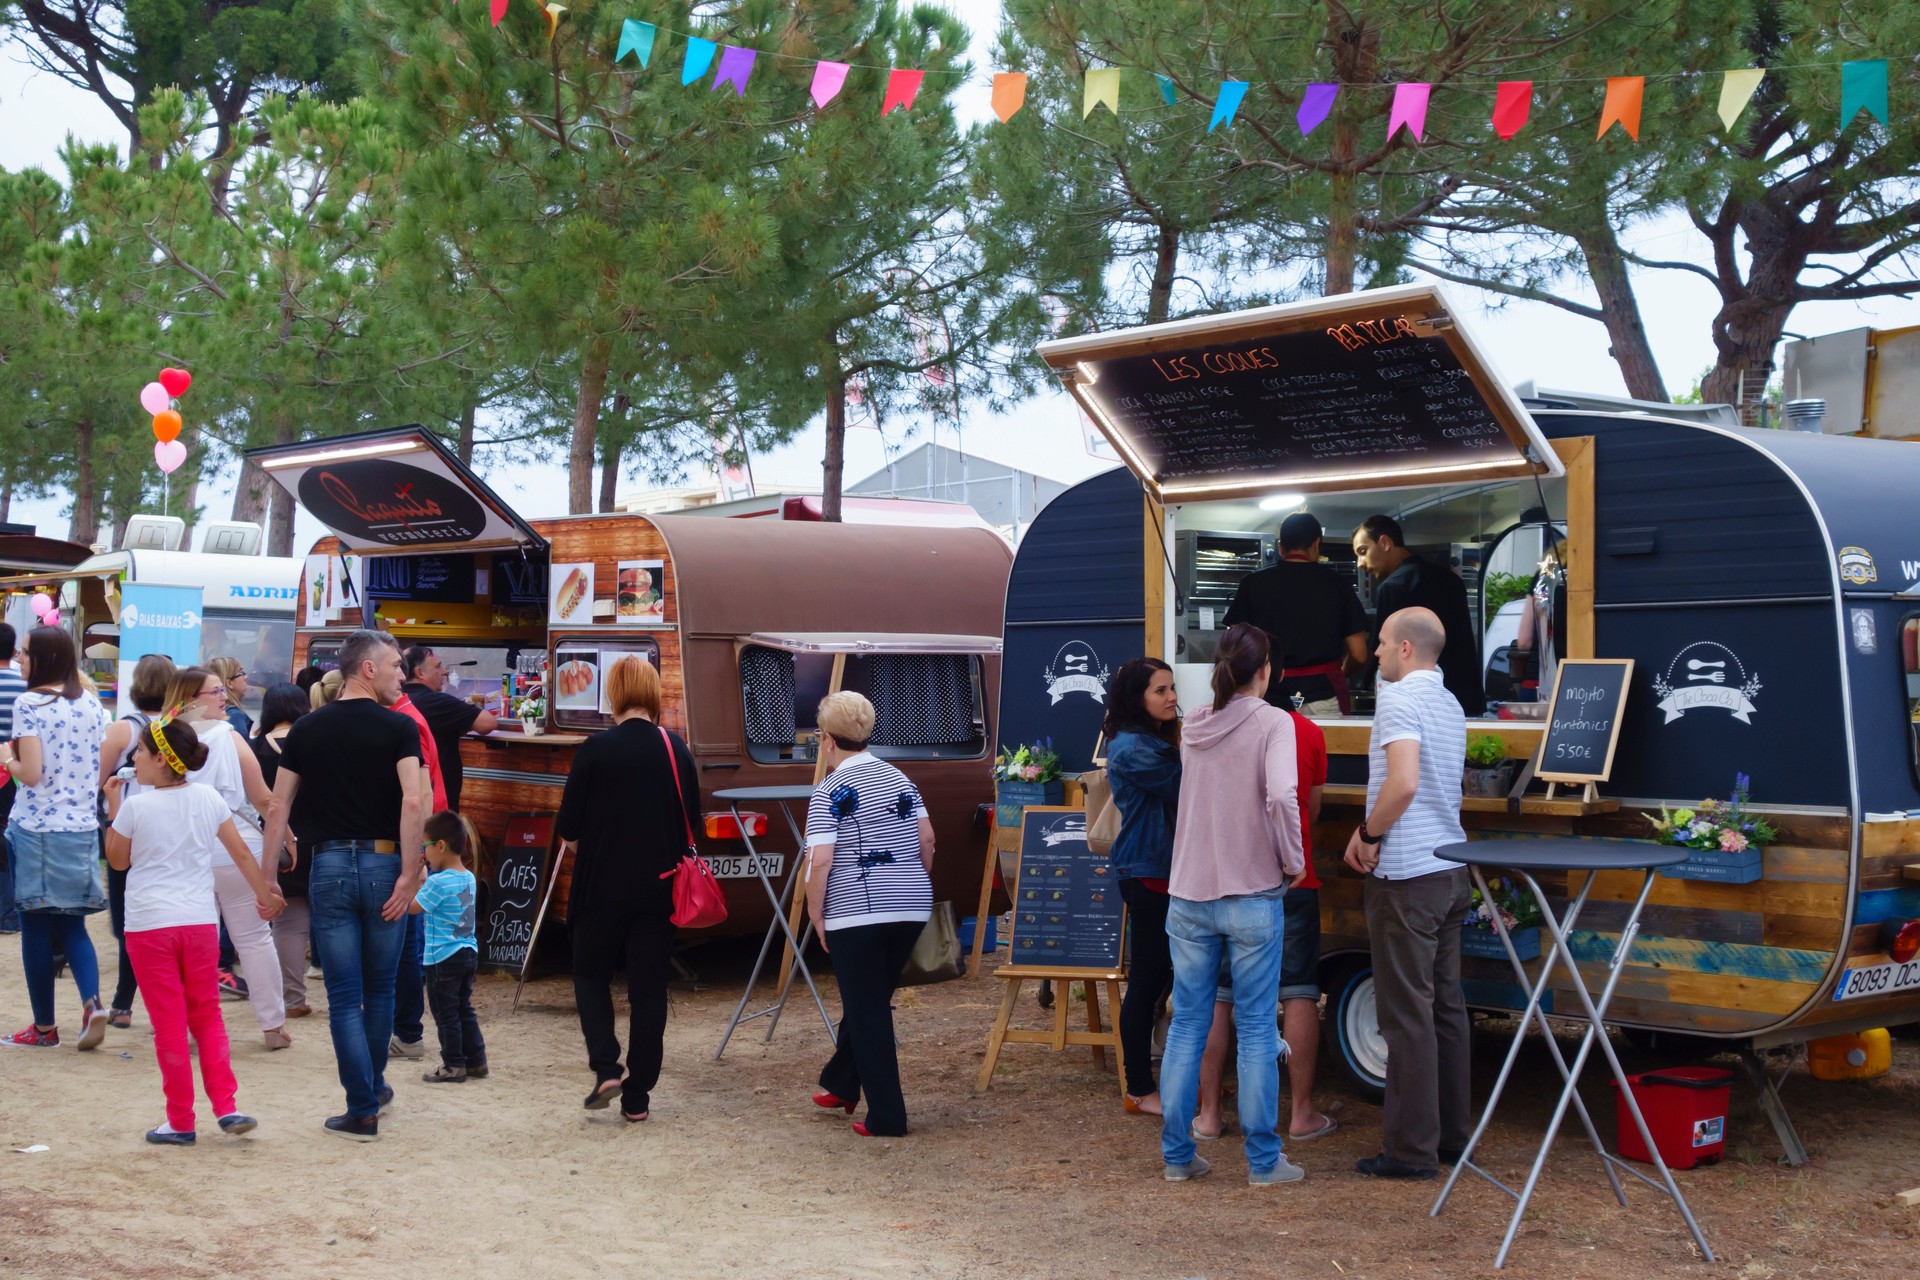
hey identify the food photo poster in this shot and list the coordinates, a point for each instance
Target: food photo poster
(576, 681)
(570, 602)
(641, 596)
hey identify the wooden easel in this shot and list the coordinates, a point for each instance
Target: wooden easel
(1590, 793)
(1095, 1036)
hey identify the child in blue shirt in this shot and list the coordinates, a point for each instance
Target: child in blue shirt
(452, 953)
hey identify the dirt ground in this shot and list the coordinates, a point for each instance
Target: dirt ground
(738, 1174)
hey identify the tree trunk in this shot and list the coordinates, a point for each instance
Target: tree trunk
(464, 449)
(1356, 58)
(586, 422)
(609, 477)
(85, 525)
(6, 502)
(253, 494)
(1745, 335)
(836, 457)
(280, 521)
(1620, 311)
(1166, 263)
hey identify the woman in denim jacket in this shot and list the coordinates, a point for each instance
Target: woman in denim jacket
(1143, 768)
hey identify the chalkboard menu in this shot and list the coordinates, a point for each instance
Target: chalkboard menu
(1067, 911)
(444, 579)
(515, 890)
(1583, 722)
(518, 579)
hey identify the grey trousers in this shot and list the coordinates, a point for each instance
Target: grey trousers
(292, 935)
(1414, 926)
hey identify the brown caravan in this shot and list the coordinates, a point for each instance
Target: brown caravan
(750, 623)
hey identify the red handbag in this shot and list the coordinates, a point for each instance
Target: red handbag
(698, 900)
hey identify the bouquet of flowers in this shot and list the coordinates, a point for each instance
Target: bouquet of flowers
(530, 710)
(1715, 825)
(1035, 762)
(1516, 906)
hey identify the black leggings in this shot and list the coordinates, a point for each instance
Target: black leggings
(867, 960)
(1150, 978)
(641, 945)
(117, 913)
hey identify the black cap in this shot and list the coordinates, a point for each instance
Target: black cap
(1299, 531)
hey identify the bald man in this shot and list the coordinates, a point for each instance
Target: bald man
(1415, 902)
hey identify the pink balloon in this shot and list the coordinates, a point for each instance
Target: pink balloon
(42, 606)
(154, 398)
(169, 454)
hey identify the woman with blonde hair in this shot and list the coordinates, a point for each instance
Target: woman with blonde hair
(325, 689)
(233, 674)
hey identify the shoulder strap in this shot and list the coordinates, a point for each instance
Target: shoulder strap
(673, 767)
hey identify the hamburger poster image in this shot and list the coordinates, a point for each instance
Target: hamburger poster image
(641, 596)
(570, 602)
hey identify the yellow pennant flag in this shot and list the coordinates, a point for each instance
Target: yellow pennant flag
(1009, 93)
(552, 14)
(1622, 106)
(1736, 91)
(1103, 87)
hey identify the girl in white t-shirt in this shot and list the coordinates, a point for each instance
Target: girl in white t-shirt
(165, 838)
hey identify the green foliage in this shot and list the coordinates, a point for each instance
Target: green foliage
(1484, 750)
(1504, 588)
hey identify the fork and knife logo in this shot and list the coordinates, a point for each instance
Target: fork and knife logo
(1706, 671)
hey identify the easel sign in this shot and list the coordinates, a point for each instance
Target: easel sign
(1583, 721)
(516, 899)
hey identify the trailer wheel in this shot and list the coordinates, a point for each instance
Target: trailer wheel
(1358, 1044)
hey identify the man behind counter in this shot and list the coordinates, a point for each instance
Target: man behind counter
(1403, 580)
(448, 718)
(1310, 613)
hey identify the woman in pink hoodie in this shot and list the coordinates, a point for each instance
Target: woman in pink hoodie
(1236, 848)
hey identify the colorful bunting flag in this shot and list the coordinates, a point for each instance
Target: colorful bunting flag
(828, 77)
(1228, 103)
(901, 88)
(1103, 87)
(1863, 84)
(1622, 106)
(552, 14)
(636, 38)
(1512, 104)
(1009, 93)
(736, 64)
(1409, 109)
(699, 58)
(1167, 93)
(1316, 104)
(1736, 91)
(499, 11)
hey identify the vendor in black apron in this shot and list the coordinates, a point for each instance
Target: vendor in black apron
(1403, 580)
(1316, 623)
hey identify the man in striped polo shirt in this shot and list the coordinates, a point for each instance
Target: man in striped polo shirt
(1415, 902)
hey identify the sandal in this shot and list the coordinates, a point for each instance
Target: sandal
(121, 1018)
(602, 1095)
(277, 1039)
(632, 1119)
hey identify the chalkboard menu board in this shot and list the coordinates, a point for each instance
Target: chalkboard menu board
(518, 579)
(444, 579)
(1067, 910)
(1583, 722)
(515, 890)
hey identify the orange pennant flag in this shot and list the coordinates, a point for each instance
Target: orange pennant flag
(1009, 93)
(1623, 105)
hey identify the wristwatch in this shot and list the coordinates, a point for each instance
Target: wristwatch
(1367, 837)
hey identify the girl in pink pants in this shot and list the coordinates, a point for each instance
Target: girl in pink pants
(165, 839)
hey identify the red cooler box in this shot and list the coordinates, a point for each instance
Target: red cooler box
(1686, 1112)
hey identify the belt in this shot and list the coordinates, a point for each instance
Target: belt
(379, 846)
(1336, 674)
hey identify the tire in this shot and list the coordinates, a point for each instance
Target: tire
(1355, 1029)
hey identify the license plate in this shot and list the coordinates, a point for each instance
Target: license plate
(735, 866)
(1878, 980)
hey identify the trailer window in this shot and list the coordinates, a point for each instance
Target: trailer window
(264, 646)
(926, 706)
(1910, 675)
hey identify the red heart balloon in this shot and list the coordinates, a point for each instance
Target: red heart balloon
(176, 381)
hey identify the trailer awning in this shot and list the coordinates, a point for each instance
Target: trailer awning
(1372, 390)
(400, 490)
(850, 642)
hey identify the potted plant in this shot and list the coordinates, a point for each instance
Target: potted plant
(1518, 912)
(1724, 840)
(1026, 775)
(1489, 772)
(531, 712)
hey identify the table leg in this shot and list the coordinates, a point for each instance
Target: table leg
(796, 885)
(779, 923)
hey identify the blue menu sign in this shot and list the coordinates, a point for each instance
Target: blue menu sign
(1067, 911)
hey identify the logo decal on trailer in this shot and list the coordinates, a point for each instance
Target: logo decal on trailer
(1857, 567)
(1707, 674)
(1077, 669)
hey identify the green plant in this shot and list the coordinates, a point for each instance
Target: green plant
(1517, 907)
(1035, 762)
(1724, 825)
(1485, 750)
(1504, 588)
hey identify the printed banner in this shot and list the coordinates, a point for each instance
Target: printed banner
(1681, 701)
(162, 620)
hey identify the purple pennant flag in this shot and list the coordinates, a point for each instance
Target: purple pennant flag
(1315, 105)
(736, 64)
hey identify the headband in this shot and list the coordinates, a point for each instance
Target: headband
(165, 748)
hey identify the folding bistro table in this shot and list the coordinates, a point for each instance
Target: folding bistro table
(1572, 856)
(784, 797)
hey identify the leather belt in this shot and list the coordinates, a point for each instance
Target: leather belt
(378, 846)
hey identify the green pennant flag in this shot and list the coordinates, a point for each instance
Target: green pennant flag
(1863, 84)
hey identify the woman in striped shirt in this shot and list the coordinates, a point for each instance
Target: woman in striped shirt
(871, 846)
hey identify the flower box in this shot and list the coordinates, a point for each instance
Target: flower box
(1011, 797)
(1711, 864)
(1475, 941)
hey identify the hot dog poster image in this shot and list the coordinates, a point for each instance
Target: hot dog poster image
(570, 603)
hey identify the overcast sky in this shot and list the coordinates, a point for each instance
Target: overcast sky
(1526, 340)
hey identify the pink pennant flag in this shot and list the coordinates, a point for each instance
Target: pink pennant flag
(902, 86)
(736, 64)
(498, 10)
(828, 77)
(1409, 109)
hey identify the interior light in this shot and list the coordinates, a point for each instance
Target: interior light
(1284, 502)
(341, 455)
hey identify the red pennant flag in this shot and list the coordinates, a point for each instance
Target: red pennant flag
(1622, 106)
(499, 11)
(902, 86)
(1511, 107)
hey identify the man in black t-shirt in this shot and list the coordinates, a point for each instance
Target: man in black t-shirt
(1315, 621)
(1403, 580)
(448, 718)
(351, 783)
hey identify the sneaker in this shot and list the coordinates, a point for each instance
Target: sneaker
(33, 1038)
(1385, 1166)
(232, 985)
(237, 1124)
(1285, 1171)
(415, 1049)
(476, 1071)
(354, 1129)
(446, 1075)
(166, 1137)
(93, 1028)
(1195, 1168)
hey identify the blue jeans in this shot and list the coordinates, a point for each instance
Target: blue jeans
(409, 983)
(9, 914)
(1250, 932)
(359, 951)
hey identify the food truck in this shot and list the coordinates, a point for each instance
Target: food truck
(1766, 585)
(749, 622)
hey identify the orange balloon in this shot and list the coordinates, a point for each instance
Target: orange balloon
(166, 425)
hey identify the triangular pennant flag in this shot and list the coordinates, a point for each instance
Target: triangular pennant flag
(1863, 84)
(1736, 91)
(1409, 109)
(699, 58)
(1166, 88)
(736, 64)
(1315, 105)
(1009, 93)
(1622, 106)
(1103, 86)
(1512, 104)
(1228, 103)
(901, 88)
(499, 11)
(636, 38)
(552, 14)
(828, 77)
